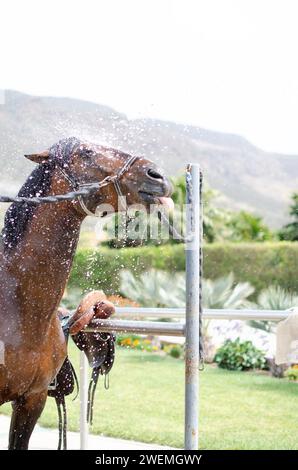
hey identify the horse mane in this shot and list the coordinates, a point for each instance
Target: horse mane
(38, 184)
(19, 214)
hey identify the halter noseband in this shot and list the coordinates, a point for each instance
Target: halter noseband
(114, 179)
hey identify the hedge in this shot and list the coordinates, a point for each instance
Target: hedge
(262, 264)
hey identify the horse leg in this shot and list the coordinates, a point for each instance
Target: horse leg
(26, 411)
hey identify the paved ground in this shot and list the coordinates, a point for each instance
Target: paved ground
(43, 438)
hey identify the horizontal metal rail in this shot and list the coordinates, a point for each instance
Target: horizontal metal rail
(139, 327)
(140, 312)
(160, 329)
(220, 314)
(175, 328)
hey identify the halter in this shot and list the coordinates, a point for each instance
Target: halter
(110, 179)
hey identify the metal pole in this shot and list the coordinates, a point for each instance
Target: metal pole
(83, 401)
(193, 307)
(140, 327)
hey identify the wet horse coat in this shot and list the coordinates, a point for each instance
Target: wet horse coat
(37, 249)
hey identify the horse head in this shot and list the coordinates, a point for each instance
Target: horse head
(82, 163)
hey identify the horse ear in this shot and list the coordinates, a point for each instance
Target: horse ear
(39, 157)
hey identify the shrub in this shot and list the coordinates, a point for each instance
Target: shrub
(292, 373)
(260, 264)
(237, 355)
(173, 350)
(100, 269)
(176, 351)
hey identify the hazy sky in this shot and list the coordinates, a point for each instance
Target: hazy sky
(229, 65)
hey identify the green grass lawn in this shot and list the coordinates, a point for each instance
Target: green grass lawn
(239, 410)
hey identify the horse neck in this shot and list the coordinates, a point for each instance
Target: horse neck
(39, 267)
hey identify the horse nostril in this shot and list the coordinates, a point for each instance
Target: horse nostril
(154, 174)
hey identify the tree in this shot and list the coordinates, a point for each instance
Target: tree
(219, 224)
(246, 227)
(290, 231)
(214, 219)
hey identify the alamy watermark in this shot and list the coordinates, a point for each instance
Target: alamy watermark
(141, 223)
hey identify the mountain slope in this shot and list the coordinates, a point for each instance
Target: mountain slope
(246, 176)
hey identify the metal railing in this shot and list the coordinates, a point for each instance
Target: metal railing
(189, 328)
(124, 325)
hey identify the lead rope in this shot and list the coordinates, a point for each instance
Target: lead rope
(83, 189)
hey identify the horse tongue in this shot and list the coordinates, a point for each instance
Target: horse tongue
(167, 202)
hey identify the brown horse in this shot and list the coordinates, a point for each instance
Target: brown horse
(37, 249)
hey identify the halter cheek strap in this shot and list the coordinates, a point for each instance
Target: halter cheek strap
(84, 207)
(122, 206)
(114, 179)
(74, 185)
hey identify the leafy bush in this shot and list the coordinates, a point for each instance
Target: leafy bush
(176, 351)
(292, 373)
(173, 350)
(100, 269)
(245, 227)
(237, 355)
(260, 264)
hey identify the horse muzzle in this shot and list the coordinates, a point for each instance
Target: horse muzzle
(156, 188)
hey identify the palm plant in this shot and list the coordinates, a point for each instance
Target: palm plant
(154, 288)
(163, 289)
(276, 298)
(224, 293)
(273, 298)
